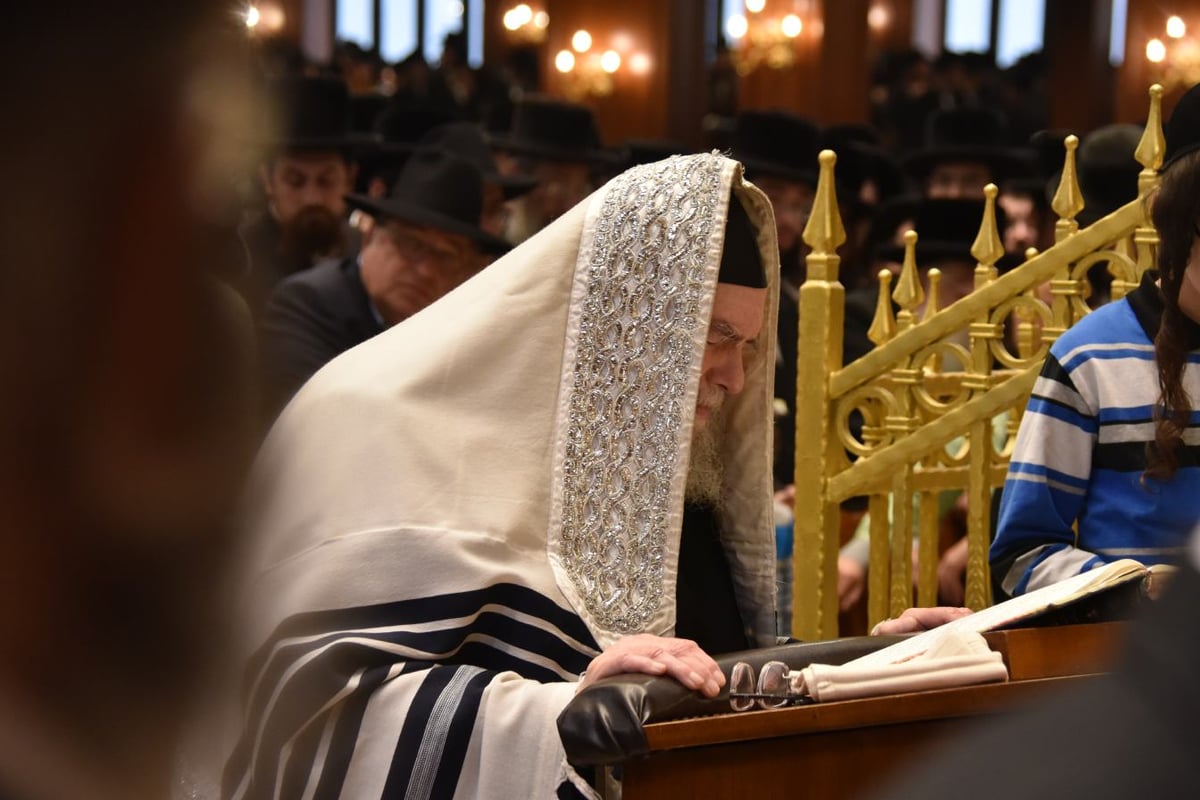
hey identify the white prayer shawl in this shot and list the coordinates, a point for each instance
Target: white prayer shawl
(458, 513)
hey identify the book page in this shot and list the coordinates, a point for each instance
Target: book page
(1020, 607)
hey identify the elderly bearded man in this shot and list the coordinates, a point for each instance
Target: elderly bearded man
(477, 505)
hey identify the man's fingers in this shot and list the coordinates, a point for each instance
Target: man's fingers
(682, 659)
(914, 620)
(694, 673)
(635, 662)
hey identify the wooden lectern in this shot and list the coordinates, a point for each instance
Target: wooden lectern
(842, 749)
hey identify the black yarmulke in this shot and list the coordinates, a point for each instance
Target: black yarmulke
(741, 263)
(1183, 129)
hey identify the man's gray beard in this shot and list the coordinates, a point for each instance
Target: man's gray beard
(706, 470)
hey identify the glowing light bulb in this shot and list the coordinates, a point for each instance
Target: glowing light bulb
(639, 63)
(541, 19)
(878, 17)
(564, 61)
(791, 26)
(522, 14)
(581, 41)
(1156, 51)
(1175, 27)
(755, 6)
(610, 62)
(736, 26)
(252, 17)
(510, 20)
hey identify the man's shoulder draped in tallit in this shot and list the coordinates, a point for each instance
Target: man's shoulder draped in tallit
(458, 514)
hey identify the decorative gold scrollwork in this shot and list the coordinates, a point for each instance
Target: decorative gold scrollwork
(1120, 266)
(875, 403)
(936, 396)
(1026, 306)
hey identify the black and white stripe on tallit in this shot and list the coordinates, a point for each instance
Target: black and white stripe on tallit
(310, 687)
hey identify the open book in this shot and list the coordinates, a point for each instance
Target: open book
(1023, 607)
(956, 654)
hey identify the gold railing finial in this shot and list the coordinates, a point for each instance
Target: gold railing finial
(934, 304)
(988, 248)
(1153, 145)
(1068, 199)
(824, 232)
(909, 294)
(883, 327)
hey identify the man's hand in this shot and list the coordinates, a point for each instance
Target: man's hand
(682, 659)
(914, 620)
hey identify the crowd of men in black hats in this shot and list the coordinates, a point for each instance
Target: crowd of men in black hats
(374, 205)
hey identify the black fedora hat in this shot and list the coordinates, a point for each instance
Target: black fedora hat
(1108, 172)
(1049, 148)
(1183, 128)
(886, 220)
(466, 140)
(946, 231)
(553, 130)
(314, 113)
(437, 190)
(776, 143)
(969, 134)
(365, 109)
(398, 128)
(634, 152)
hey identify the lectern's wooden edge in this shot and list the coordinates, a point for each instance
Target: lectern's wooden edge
(939, 704)
(1044, 659)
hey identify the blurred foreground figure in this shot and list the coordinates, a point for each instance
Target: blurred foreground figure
(122, 422)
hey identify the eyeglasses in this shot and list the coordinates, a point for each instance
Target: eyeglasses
(778, 686)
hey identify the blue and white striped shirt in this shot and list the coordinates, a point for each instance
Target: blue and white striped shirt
(1081, 451)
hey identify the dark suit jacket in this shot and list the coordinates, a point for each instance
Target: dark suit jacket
(310, 318)
(1131, 734)
(268, 266)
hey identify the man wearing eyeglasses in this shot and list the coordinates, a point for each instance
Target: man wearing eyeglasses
(426, 240)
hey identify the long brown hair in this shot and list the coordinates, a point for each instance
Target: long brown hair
(1175, 214)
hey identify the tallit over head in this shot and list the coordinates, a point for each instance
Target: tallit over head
(548, 404)
(497, 484)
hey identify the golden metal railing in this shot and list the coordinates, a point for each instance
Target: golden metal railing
(913, 408)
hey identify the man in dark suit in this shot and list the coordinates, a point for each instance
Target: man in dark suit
(426, 240)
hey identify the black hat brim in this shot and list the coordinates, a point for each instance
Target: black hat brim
(934, 252)
(354, 145)
(1004, 163)
(758, 166)
(394, 154)
(511, 185)
(587, 155)
(387, 207)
